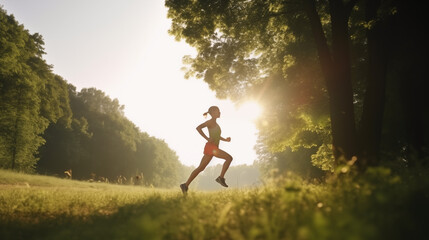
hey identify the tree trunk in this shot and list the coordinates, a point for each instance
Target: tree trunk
(373, 107)
(15, 128)
(413, 76)
(336, 71)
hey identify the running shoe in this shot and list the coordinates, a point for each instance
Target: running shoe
(221, 181)
(184, 188)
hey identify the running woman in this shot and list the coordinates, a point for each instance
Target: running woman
(211, 149)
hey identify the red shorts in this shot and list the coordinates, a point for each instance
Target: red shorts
(210, 149)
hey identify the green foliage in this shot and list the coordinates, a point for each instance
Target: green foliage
(31, 96)
(276, 164)
(43, 117)
(267, 50)
(166, 166)
(380, 204)
(261, 50)
(102, 143)
(323, 158)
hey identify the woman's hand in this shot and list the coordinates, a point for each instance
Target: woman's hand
(228, 139)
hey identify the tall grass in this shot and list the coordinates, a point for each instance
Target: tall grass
(376, 205)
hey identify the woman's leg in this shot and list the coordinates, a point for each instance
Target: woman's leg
(228, 159)
(203, 164)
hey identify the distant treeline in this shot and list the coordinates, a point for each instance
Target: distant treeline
(49, 127)
(240, 176)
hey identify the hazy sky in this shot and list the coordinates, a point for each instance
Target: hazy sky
(123, 48)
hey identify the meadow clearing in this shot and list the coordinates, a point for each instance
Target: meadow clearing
(383, 206)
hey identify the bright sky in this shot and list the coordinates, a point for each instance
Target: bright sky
(123, 49)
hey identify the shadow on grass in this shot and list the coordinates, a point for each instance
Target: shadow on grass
(155, 218)
(378, 205)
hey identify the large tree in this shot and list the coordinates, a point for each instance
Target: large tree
(31, 96)
(304, 57)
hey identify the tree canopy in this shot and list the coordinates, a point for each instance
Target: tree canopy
(325, 70)
(31, 96)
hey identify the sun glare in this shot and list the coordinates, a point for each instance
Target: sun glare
(250, 110)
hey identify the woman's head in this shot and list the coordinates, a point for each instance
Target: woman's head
(213, 111)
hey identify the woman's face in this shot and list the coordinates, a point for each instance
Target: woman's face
(215, 113)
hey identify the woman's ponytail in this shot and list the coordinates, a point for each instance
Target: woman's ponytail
(211, 109)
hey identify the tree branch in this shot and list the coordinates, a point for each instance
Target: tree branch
(319, 36)
(349, 7)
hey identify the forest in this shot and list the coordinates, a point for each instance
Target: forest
(47, 127)
(342, 146)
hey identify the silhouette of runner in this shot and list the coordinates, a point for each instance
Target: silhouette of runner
(211, 149)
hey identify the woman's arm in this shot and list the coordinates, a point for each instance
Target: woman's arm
(200, 130)
(228, 139)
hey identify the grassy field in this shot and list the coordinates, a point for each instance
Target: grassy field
(378, 205)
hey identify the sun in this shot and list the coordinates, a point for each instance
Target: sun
(250, 110)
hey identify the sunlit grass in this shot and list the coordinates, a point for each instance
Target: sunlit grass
(380, 205)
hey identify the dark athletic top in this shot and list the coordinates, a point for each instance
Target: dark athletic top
(214, 133)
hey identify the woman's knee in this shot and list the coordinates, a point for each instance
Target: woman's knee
(229, 158)
(200, 168)
(204, 162)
